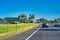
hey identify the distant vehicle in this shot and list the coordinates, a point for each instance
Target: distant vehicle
(57, 24)
(45, 24)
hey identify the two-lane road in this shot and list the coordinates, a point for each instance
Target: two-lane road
(39, 34)
(46, 35)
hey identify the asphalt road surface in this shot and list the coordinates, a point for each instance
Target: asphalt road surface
(50, 33)
(22, 36)
(46, 35)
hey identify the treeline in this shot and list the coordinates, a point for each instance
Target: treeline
(50, 21)
(24, 19)
(20, 19)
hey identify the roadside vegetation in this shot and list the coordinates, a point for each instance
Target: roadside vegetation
(13, 27)
(9, 24)
(22, 18)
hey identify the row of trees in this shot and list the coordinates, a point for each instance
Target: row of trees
(20, 19)
(24, 19)
(50, 21)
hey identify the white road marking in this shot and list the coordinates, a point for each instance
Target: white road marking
(36, 31)
(32, 34)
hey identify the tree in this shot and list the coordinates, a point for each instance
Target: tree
(55, 20)
(37, 20)
(11, 20)
(1, 21)
(31, 18)
(43, 20)
(58, 19)
(51, 21)
(22, 18)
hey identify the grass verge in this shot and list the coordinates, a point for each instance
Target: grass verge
(14, 29)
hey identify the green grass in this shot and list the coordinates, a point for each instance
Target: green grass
(13, 27)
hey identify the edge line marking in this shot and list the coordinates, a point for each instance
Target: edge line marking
(32, 34)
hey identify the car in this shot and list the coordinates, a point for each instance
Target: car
(45, 24)
(57, 24)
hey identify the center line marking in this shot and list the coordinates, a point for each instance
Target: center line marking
(32, 34)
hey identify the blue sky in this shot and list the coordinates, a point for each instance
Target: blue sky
(49, 9)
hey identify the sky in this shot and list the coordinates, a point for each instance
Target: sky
(48, 9)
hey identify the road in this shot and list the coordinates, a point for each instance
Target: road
(46, 35)
(50, 33)
(22, 36)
